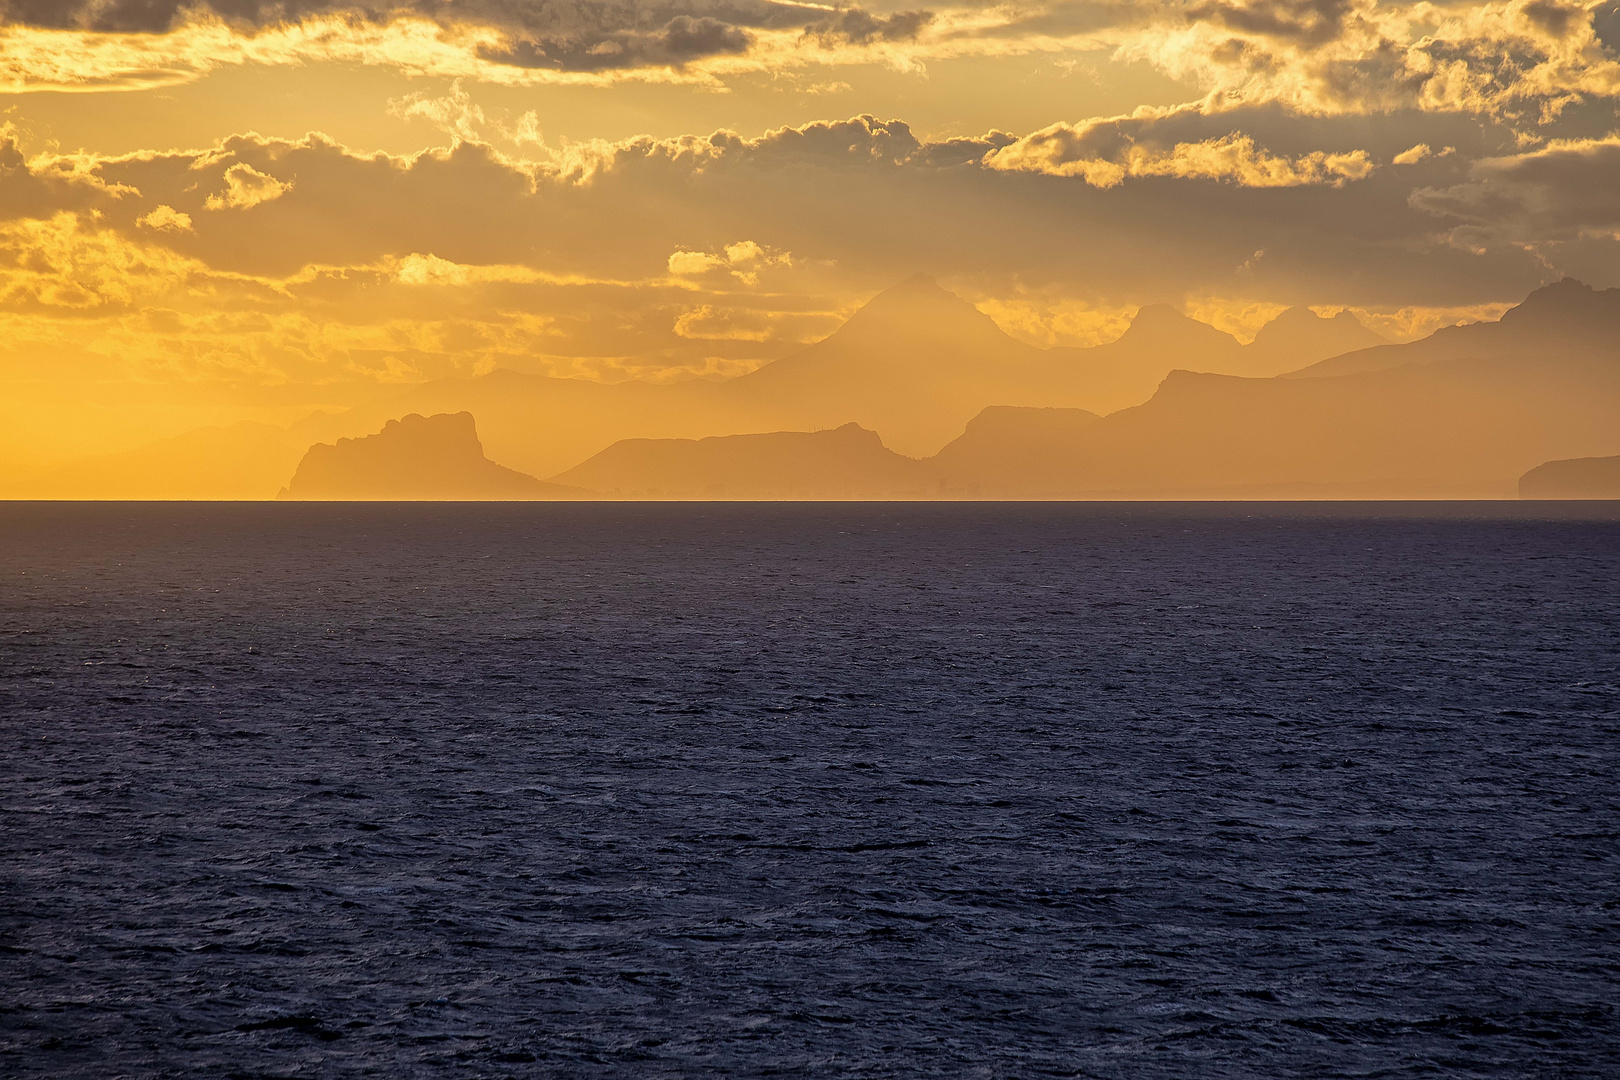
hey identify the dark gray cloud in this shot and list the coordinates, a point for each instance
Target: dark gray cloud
(858, 27)
(1606, 24)
(1559, 193)
(158, 16)
(1554, 18)
(1561, 202)
(1306, 22)
(565, 35)
(680, 41)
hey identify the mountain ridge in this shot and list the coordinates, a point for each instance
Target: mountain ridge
(836, 463)
(923, 398)
(870, 371)
(1431, 425)
(1565, 315)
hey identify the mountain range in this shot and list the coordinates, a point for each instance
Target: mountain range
(1461, 414)
(916, 363)
(847, 462)
(920, 394)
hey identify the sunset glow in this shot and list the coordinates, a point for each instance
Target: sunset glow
(242, 211)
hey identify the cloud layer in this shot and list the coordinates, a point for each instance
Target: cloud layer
(1528, 59)
(288, 261)
(130, 43)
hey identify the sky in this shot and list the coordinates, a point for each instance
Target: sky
(238, 209)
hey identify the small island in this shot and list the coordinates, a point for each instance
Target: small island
(1573, 478)
(415, 457)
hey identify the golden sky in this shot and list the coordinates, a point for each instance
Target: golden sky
(232, 209)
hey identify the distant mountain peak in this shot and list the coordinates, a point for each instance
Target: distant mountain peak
(1564, 286)
(1301, 316)
(1149, 314)
(1563, 298)
(917, 305)
(1567, 309)
(918, 287)
(1163, 323)
(1299, 336)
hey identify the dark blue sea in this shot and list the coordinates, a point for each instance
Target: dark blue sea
(835, 790)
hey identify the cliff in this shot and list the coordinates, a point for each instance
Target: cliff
(417, 457)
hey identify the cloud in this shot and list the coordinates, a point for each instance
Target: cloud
(247, 187)
(861, 193)
(454, 113)
(457, 115)
(855, 142)
(42, 188)
(165, 219)
(712, 253)
(1307, 22)
(1568, 190)
(856, 26)
(419, 269)
(1560, 204)
(1104, 157)
(1055, 319)
(1526, 59)
(65, 266)
(743, 260)
(533, 20)
(681, 41)
(711, 322)
(1606, 25)
(128, 44)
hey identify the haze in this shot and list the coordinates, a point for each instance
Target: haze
(1054, 250)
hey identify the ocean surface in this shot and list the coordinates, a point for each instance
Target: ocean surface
(928, 790)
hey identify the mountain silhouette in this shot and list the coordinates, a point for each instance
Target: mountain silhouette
(1466, 410)
(1159, 329)
(1424, 425)
(1539, 384)
(1559, 322)
(1161, 339)
(1301, 337)
(1125, 371)
(999, 442)
(541, 425)
(417, 457)
(1576, 478)
(848, 462)
(916, 363)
